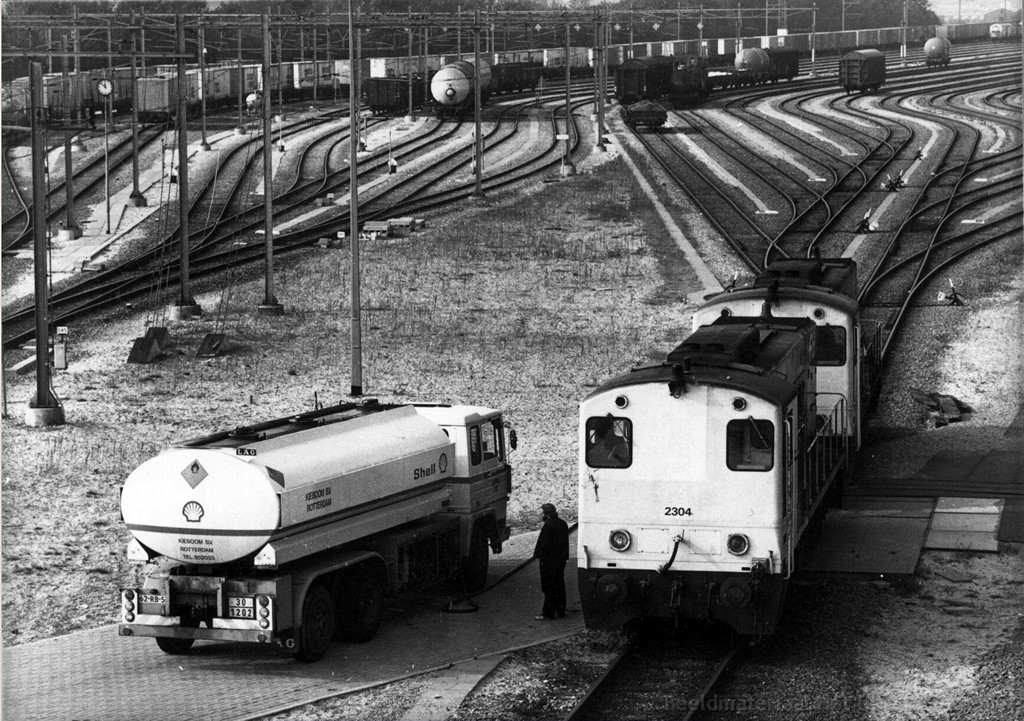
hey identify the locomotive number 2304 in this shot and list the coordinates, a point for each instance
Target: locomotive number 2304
(678, 511)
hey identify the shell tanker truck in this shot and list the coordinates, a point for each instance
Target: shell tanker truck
(291, 532)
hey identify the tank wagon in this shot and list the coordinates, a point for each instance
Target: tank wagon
(453, 87)
(292, 531)
(824, 291)
(700, 478)
(936, 52)
(862, 70)
(754, 66)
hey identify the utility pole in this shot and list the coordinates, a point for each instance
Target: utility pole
(600, 67)
(478, 141)
(203, 144)
(187, 307)
(280, 78)
(136, 199)
(409, 118)
(70, 231)
(44, 409)
(903, 34)
(142, 42)
(567, 167)
(316, 69)
(353, 207)
(270, 306)
(240, 130)
(814, 39)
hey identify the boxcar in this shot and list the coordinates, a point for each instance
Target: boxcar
(643, 79)
(783, 64)
(390, 96)
(862, 70)
(1004, 31)
(507, 78)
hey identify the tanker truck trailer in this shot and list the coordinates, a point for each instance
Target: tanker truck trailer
(292, 531)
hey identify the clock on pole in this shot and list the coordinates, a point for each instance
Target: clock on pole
(104, 87)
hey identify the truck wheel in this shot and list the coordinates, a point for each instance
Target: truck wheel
(474, 566)
(174, 646)
(361, 605)
(314, 635)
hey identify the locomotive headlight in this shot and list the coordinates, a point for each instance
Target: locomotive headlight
(738, 544)
(620, 540)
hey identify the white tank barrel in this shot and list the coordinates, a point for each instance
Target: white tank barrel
(453, 83)
(215, 505)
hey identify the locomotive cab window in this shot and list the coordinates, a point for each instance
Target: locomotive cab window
(750, 445)
(609, 442)
(829, 345)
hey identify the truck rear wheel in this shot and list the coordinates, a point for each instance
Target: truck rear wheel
(474, 566)
(317, 627)
(361, 604)
(174, 646)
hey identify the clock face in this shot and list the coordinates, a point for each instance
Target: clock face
(105, 87)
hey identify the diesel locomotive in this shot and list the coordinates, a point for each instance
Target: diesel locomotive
(702, 477)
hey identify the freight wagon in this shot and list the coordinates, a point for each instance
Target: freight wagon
(862, 70)
(390, 96)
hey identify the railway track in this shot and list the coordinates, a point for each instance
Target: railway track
(87, 178)
(227, 242)
(668, 677)
(711, 159)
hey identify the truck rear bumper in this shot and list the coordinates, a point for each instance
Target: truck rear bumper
(206, 634)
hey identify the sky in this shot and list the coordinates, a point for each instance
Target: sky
(971, 8)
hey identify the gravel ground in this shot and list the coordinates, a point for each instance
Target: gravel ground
(544, 299)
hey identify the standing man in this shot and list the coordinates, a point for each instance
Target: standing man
(553, 551)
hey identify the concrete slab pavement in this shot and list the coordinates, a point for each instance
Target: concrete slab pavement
(98, 675)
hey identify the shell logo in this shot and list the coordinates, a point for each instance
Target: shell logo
(193, 512)
(442, 462)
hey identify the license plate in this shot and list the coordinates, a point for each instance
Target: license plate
(148, 598)
(235, 612)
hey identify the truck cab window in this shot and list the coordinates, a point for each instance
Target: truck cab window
(490, 439)
(474, 445)
(609, 442)
(750, 445)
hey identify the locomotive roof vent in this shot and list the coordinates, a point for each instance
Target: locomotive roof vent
(800, 271)
(718, 346)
